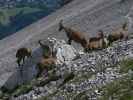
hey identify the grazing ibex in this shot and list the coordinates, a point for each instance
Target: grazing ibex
(73, 35)
(98, 42)
(119, 35)
(22, 53)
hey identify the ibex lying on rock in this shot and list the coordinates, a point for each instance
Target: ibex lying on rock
(46, 64)
(73, 35)
(118, 35)
(48, 60)
(22, 53)
(98, 42)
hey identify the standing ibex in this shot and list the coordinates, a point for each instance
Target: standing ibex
(73, 35)
(118, 35)
(98, 42)
(22, 53)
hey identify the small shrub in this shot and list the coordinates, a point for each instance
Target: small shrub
(126, 65)
(1, 94)
(22, 89)
(118, 90)
(81, 96)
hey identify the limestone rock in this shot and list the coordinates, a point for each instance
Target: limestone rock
(63, 52)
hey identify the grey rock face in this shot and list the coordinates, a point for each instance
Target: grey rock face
(64, 52)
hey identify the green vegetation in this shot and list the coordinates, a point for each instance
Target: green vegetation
(126, 65)
(81, 96)
(19, 90)
(4, 18)
(121, 89)
(25, 88)
(23, 14)
(118, 90)
(22, 89)
(16, 18)
(6, 13)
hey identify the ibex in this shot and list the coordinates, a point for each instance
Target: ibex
(98, 42)
(22, 53)
(73, 35)
(119, 35)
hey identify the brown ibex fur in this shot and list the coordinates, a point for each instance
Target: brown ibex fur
(97, 42)
(73, 35)
(46, 64)
(22, 53)
(48, 60)
(118, 35)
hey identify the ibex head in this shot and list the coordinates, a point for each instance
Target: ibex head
(60, 25)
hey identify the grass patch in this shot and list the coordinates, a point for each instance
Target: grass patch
(118, 90)
(27, 87)
(22, 90)
(126, 65)
(81, 96)
(121, 89)
(19, 90)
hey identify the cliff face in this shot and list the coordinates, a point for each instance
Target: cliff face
(87, 17)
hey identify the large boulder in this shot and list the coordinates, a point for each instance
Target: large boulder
(64, 53)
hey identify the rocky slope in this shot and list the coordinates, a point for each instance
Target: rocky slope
(80, 73)
(87, 17)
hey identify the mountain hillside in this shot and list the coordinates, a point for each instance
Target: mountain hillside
(17, 14)
(97, 75)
